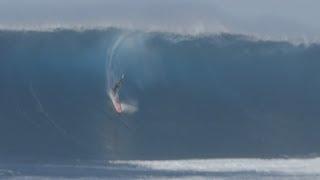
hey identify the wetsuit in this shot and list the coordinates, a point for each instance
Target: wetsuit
(117, 86)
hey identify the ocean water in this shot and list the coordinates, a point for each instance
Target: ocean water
(240, 106)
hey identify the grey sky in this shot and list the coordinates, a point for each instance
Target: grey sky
(275, 18)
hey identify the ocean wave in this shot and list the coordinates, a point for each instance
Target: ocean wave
(199, 96)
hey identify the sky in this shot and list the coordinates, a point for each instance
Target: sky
(267, 18)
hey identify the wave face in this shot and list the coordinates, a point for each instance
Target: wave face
(200, 96)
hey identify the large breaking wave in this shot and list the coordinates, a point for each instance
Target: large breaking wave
(197, 96)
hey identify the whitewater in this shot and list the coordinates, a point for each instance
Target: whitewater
(169, 169)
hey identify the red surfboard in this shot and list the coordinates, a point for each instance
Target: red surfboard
(116, 102)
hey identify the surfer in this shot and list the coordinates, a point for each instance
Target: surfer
(114, 95)
(117, 86)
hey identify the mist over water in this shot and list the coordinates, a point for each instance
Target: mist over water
(290, 20)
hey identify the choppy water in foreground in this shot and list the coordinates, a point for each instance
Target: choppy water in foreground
(171, 169)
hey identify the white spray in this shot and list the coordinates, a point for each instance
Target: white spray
(111, 75)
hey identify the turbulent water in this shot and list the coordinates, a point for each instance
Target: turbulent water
(169, 169)
(205, 96)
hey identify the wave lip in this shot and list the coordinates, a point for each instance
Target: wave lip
(297, 39)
